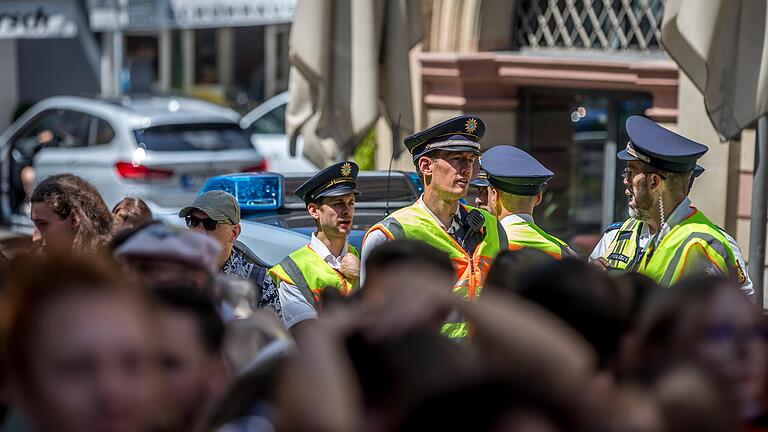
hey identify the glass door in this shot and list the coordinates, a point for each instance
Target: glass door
(576, 134)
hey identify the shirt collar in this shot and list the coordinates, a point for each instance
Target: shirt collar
(424, 207)
(680, 213)
(319, 247)
(516, 218)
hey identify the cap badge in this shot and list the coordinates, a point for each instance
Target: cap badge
(346, 169)
(471, 125)
(632, 152)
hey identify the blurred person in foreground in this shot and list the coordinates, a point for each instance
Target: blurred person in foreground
(130, 212)
(217, 214)
(390, 260)
(258, 349)
(584, 298)
(328, 260)
(512, 267)
(79, 347)
(364, 364)
(161, 255)
(515, 184)
(709, 320)
(69, 215)
(191, 335)
(444, 155)
(683, 397)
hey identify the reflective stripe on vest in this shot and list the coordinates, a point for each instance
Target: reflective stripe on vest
(311, 274)
(523, 234)
(624, 252)
(414, 223)
(666, 263)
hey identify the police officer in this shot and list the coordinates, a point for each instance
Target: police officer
(516, 180)
(683, 241)
(444, 156)
(623, 243)
(480, 184)
(328, 260)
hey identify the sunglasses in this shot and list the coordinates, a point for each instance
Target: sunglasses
(628, 174)
(208, 223)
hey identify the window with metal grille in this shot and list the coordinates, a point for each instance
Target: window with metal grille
(603, 25)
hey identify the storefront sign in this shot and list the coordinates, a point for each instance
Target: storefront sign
(230, 13)
(36, 20)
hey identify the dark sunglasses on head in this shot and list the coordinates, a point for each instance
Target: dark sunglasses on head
(208, 223)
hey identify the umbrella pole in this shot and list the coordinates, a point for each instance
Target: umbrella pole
(759, 207)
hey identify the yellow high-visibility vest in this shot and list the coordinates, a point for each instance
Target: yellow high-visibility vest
(524, 234)
(414, 223)
(666, 262)
(309, 272)
(624, 252)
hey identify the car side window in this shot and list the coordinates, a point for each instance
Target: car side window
(271, 123)
(72, 129)
(101, 132)
(37, 135)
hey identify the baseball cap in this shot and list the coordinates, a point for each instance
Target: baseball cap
(167, 243)
(218, 205)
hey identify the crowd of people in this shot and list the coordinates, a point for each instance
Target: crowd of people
(450, 317)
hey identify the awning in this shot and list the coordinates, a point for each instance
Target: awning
(349, 67)
(723, 47)
(37, 20)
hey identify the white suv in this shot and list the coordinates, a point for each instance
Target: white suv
(266, 126)
(160, 149)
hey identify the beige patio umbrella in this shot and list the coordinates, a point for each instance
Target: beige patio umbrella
(721, 45)
(349, 67)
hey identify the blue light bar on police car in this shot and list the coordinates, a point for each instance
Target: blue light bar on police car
(253, 191)
(414, 177)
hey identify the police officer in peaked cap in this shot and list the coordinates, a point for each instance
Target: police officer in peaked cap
(666, 237)
(515, 184)
(328, 260)
(480, 184)
(444, 155)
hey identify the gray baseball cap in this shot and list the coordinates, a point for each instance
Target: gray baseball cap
(218, 205)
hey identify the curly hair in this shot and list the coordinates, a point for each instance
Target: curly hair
(68, 194)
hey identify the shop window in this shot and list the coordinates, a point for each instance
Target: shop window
(576, 135)
(206, 71)
(249, 73)
(141, 62)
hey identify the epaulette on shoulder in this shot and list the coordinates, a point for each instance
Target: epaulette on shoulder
(614, 226)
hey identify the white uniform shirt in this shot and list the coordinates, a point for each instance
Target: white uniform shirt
(516, 218)
(295, 307)
(681, 212)
(375, 238)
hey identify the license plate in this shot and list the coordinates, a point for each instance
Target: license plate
(193, 182)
